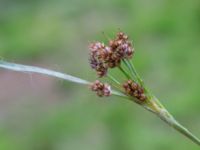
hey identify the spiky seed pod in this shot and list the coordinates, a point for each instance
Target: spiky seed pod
(133, 89)
(101, 89)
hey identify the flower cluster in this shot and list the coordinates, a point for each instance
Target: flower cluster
(133, 89)
(103, 57)
(98, 54)
(101, 89)
(121, 46)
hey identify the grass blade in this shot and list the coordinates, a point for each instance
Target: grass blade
(33, 69)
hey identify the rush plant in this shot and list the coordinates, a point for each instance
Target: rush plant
(117, 54)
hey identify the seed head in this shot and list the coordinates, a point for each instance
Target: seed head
(103, 57)
(101, 89)
(98, 55)
(133, 89)
(121, 46)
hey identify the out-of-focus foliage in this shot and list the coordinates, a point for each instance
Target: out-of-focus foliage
(55, 33)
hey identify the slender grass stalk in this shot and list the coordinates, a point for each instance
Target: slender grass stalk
(133, 70)
(133, 75)
(32, 69)
(120, 94)
(159, 110)
(113, 79)
(124, 72)
(116, 83)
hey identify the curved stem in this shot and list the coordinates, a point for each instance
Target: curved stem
(33, 69)
(124, 72)
(113, 79)
(156, 107)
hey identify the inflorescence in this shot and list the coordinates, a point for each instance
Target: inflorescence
(133, 89)
(101, 89)
(104, 57)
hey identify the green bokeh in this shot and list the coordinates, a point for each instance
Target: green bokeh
(166, 36)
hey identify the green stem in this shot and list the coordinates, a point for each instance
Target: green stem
(119, 94)
(33, 69)
(113, 79)
(156, 107)
(130, 69)
(124, 72)
(117, 85)
(133, 70)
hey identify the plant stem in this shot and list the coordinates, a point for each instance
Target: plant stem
(133, 70)
(120, 94)
(130, 69)
(113, 79)
(33, 69)
(124, 72)
(117, 85)
(156, 107)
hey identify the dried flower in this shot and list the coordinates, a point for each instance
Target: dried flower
(121, 46)
(98, 54)
(133, 89)
(103, 57)
(101, 89)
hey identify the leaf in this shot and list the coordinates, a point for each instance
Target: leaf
(25, 68)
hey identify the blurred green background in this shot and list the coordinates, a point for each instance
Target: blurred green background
(43, 113)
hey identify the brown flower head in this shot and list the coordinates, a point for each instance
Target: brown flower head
(101, 89)
(121, 46)
(133, 89)
(103, 57)
(98, 55)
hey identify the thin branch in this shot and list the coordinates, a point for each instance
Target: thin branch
(130, 69)
(113, 79)
(33, 69)
(124, 72)
(120, 94)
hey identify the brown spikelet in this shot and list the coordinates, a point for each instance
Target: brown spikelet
(98, 54)
(121, 46)
(133, 89)
(103, 57)
(101, 89)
